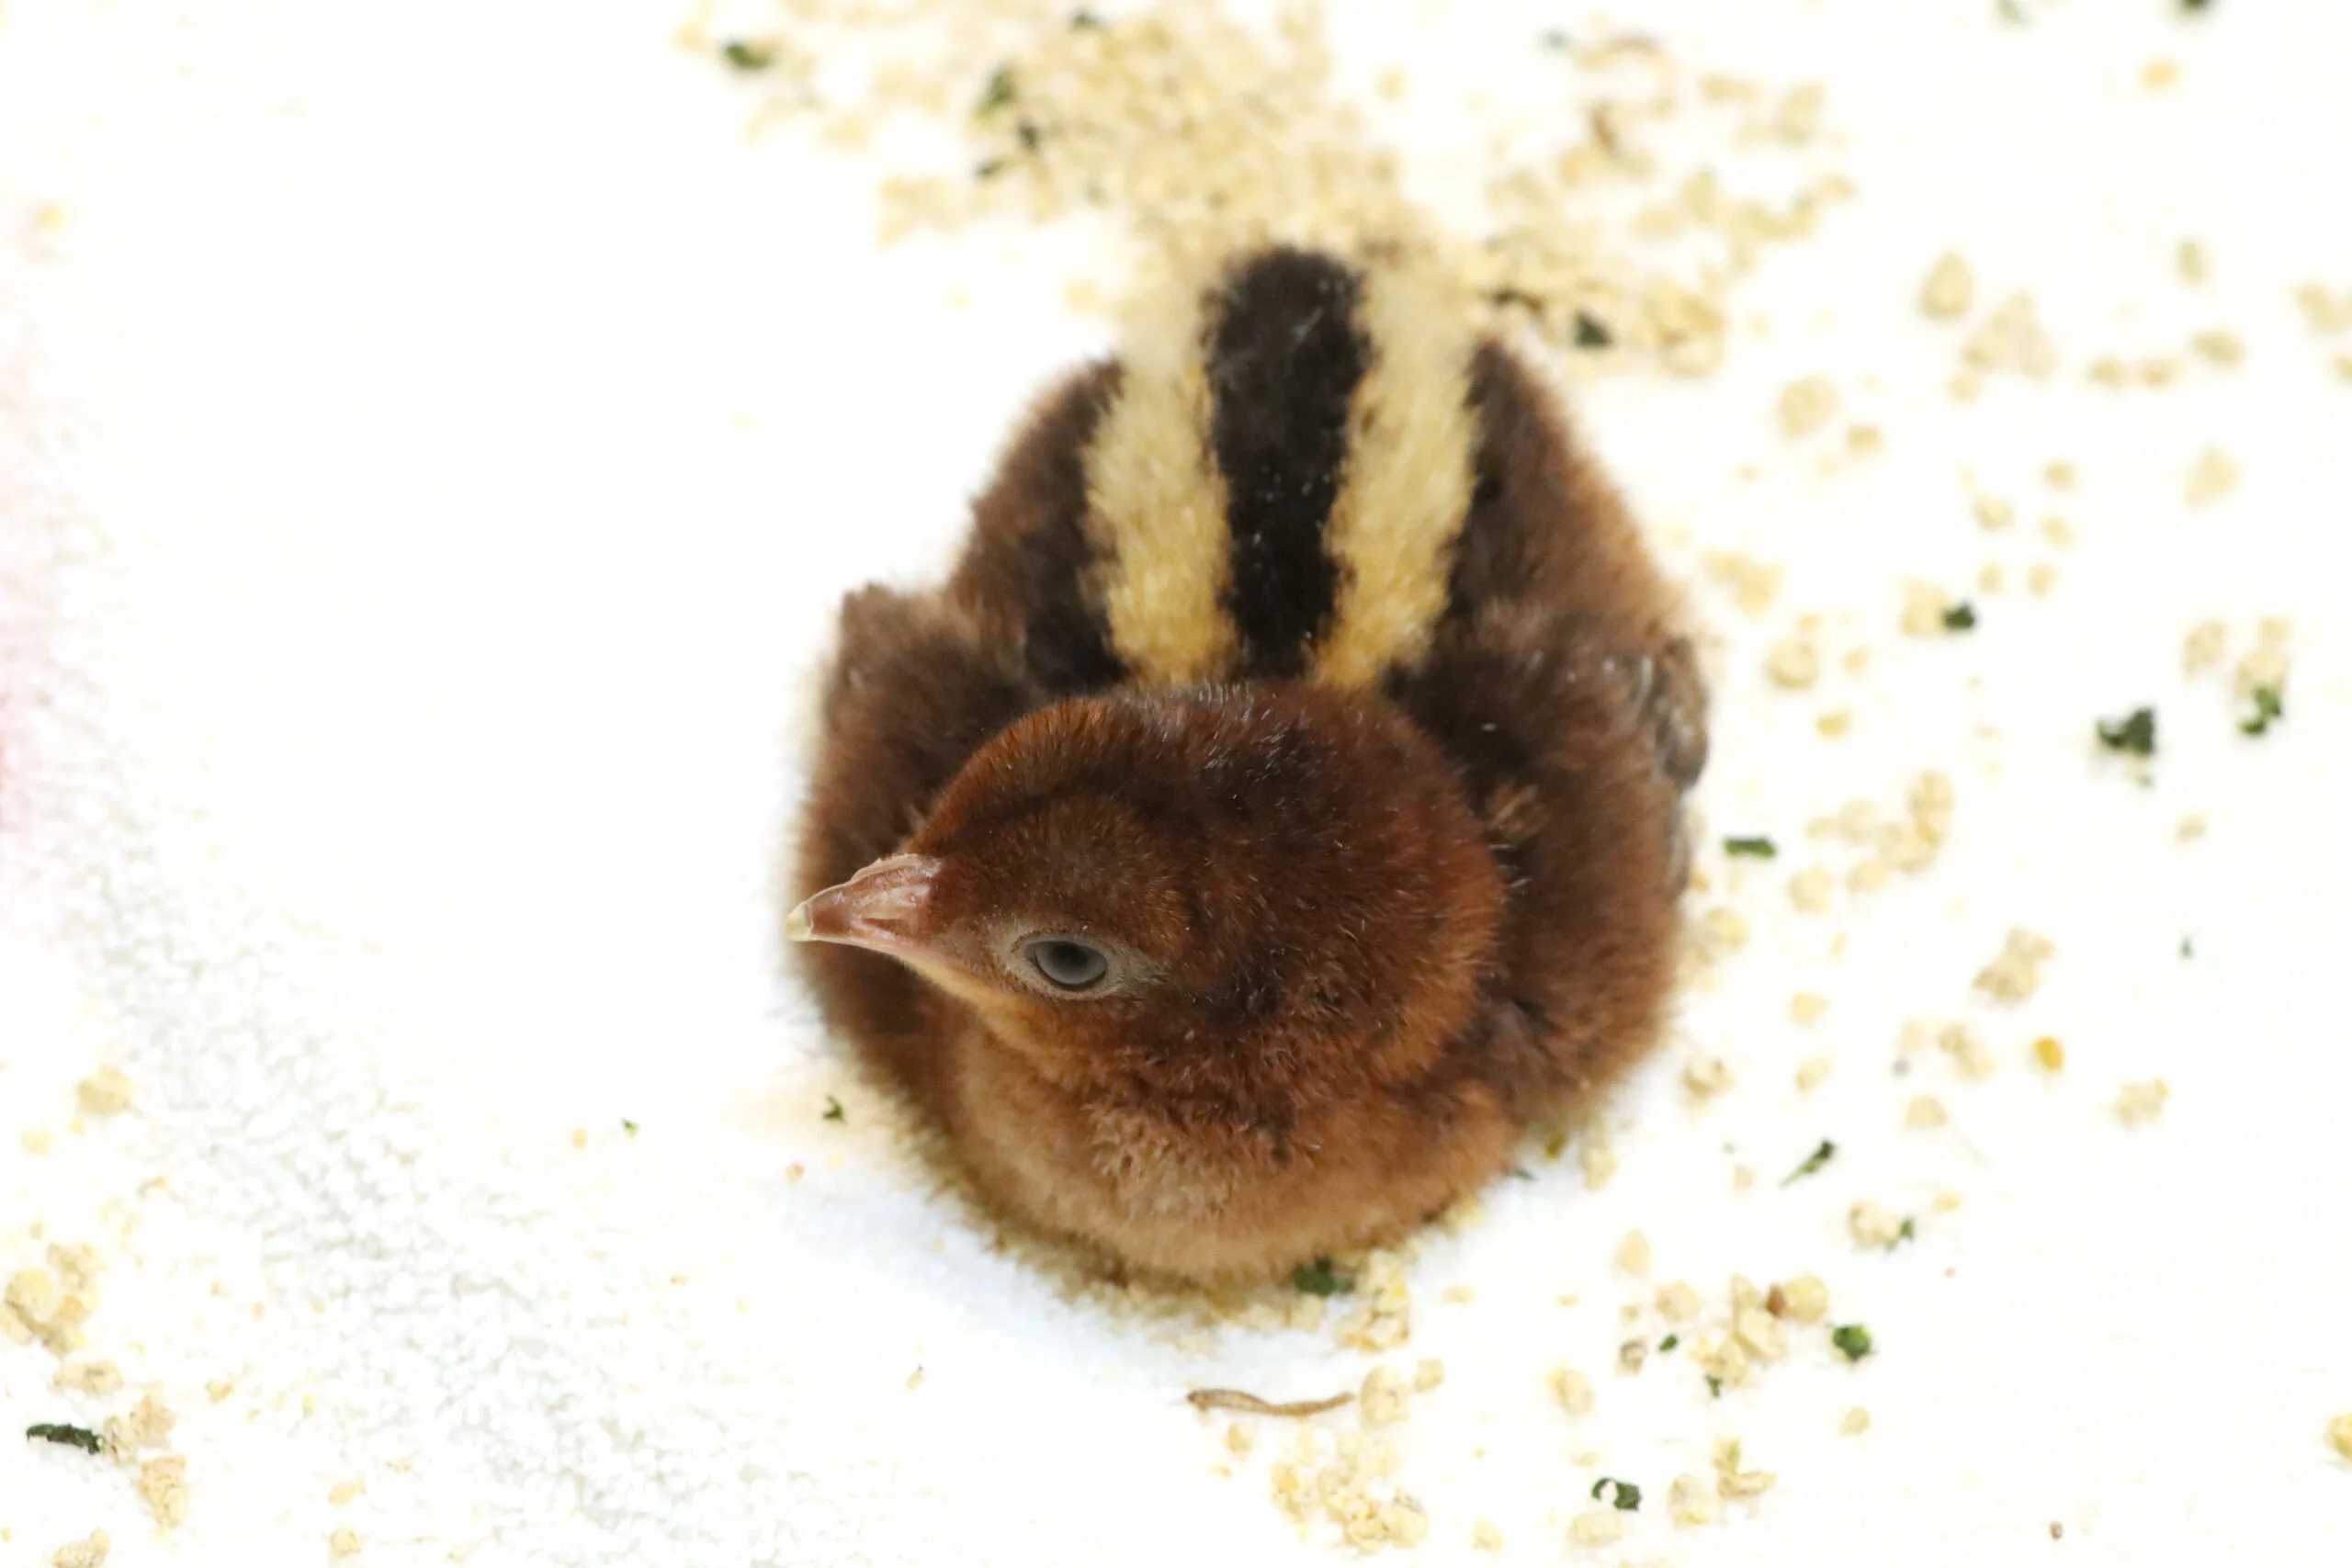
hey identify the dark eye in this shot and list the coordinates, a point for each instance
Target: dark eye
(1072, 965)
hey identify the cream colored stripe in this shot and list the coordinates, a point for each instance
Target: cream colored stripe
(1157, 504)
(1407, 483)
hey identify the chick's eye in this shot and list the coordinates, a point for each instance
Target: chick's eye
(1071, 965)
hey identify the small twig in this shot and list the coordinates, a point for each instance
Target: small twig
(1234, 1399)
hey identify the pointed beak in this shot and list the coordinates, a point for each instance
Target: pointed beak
(882, 908)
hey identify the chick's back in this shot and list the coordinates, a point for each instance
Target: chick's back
(1310, 470)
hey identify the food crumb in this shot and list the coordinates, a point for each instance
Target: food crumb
(2192, 829)
(1239, 1439)
(1923, 608)
(2339, 1433)
(2204, 646)
(88, 1552)
(1574, 1389)
(1802, 1299)
(1598, 1526)
(1994, 512)
(163, 1482)
(2040, 578)
(1677, 1302)
(2143, 1102)
(1925, 1110)
(1813, 1072)
(344, 1542)
(2015, 971)
(2213, 477)
(1806, 1007)
(1690, 1500)
(1707, 1076)
(148, 1425)
(1811, 889)
(1428, 1373)
(1856, 1422)
(1948, 288)
(1806, 406)
(1599, 1163)
(1792, 664)
(106, 1093)
(1874, 1224)
(1968, 1053)
(1634, 1253)
(1486, 1536)
(1731, 1479)
(35, 1140)
(33, 1295)
(2190, 259)
(1835, 723)
(2218, 347)
(1383, 1399)
(344, 1492)
(88, 1377)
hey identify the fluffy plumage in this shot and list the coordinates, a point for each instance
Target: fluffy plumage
(1280, 804)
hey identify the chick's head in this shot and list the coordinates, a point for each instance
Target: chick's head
(1271, 891)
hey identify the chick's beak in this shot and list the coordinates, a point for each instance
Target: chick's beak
(883, 908)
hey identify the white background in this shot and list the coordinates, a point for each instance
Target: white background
(431, 444)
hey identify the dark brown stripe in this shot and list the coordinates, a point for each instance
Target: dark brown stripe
(1284, 355)
(1030, 557)
(1495, 557)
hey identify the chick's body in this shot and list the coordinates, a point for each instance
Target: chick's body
(1280, 804)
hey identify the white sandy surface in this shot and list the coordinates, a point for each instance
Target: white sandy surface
(432, 440)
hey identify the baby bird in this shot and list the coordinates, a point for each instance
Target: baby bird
(1280, 806)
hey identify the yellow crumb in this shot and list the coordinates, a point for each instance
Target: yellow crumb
(2339, 1433)
(1813, 1071)
(1428, 1373)
(2015, 971)
(344, 1542)
(1598, 1526)
(1678, 1302)
(1856, 1422)
(1948, 288)
(35, 1140)
(2213, 477)
(1634, 1253)
(163, 1482)
(1599, 1163)
(1874, 1224)
(88, 1552)
(1806, 406)
(1706, 1077)
(2141, 1102)
(1925, 1110)
(1994, 512)
(1384, 1398)
(105, 1092)
(344, 1492)
(1486, 1536)
(1793, 663)
(1804, 1298)
(1806, 1007)
(1811, 889)
(1573, 1389)
(2051, 1054)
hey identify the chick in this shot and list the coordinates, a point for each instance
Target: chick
(1280, 806)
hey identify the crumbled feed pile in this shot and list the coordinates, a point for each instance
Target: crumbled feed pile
(1195, 130)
